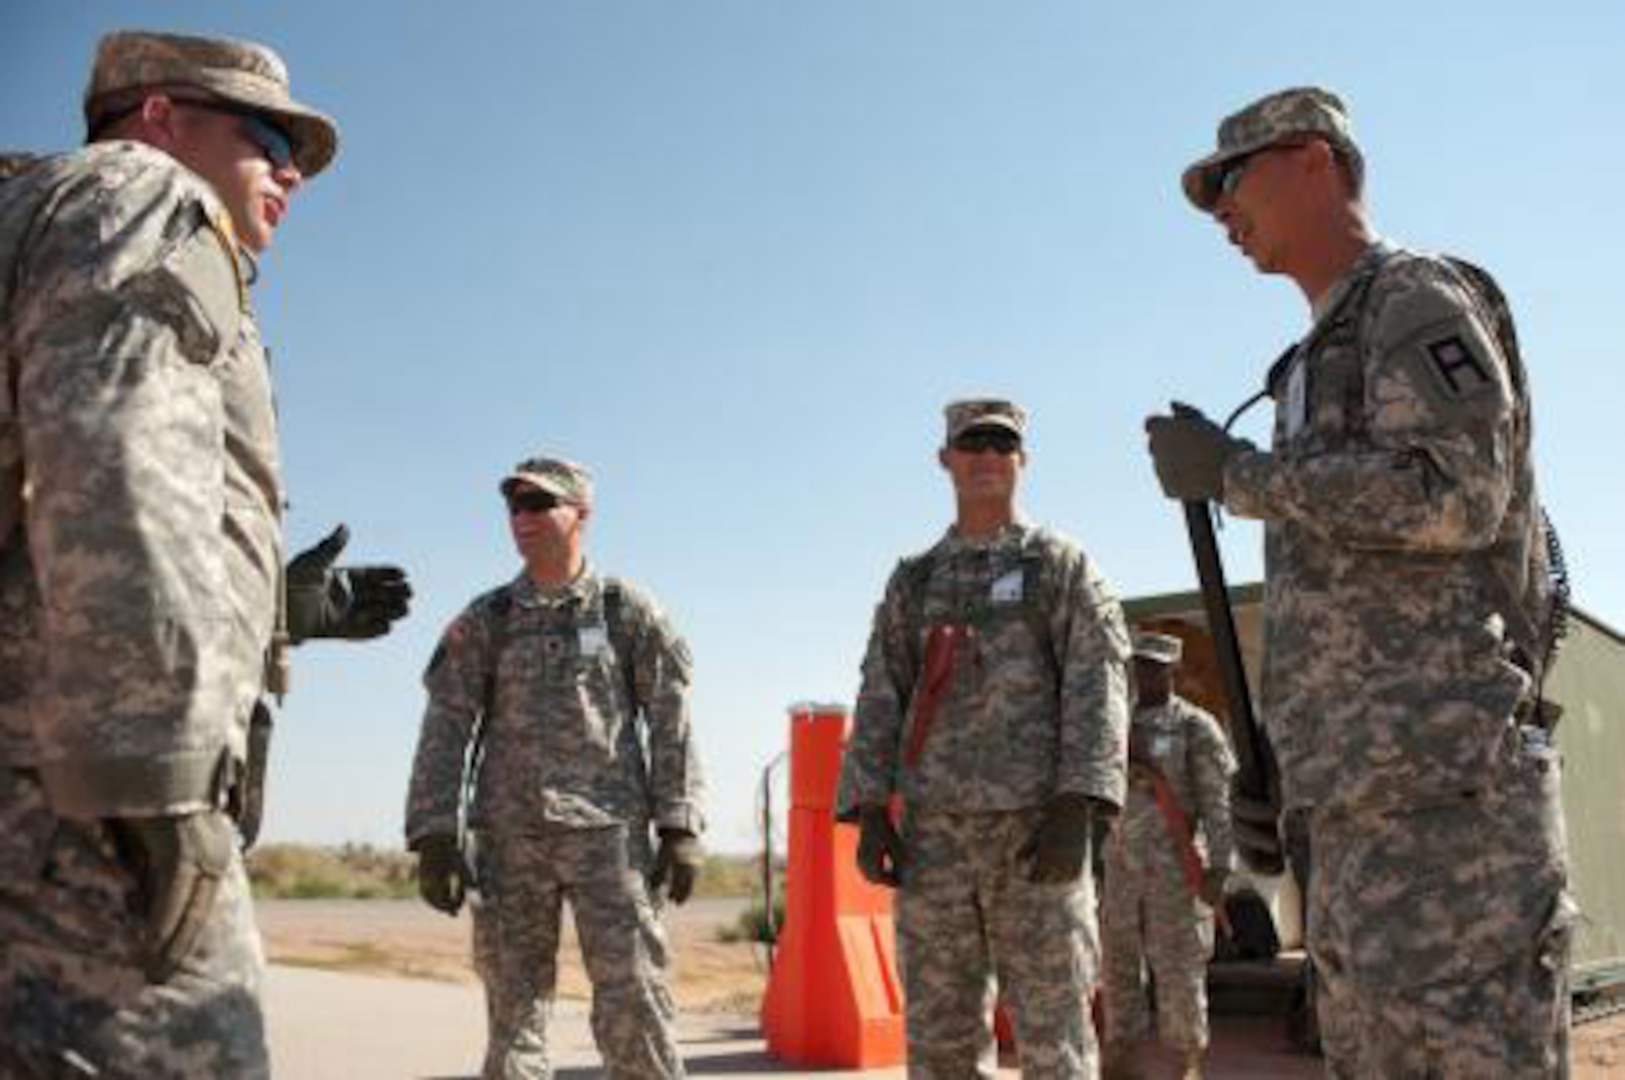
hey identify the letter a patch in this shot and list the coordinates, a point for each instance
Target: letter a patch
(1459, 369)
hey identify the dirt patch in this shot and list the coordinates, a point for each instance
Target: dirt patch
(406, 939)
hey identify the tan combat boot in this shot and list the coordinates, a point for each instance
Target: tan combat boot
(1193, 1066)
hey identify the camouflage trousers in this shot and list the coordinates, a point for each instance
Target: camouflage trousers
(524, 881)
(967, 914)
(73, 998)
(1441, 934)
(1149, 921)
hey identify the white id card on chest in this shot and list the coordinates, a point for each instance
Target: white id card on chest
(1297, 398)
(1007, 588)
(592, 640)
(1162, 745)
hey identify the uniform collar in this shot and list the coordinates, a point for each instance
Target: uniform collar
(527, 593)
(1010, 535)
(1329, 301)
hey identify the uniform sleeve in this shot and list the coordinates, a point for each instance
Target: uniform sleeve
(1093, 636)
(455, 680)
(1212, 765)
(1432, 473)
(663, 673)
(869, 766)
(126, 297)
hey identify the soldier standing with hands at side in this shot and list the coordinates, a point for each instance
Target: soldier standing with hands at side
(1167, 861)
(994, 704)
(547, 683)
(1409, 615)
(141, 562)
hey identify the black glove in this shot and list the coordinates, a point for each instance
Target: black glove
(678, 861)
(178, 861)
(327, 601)
(1189, 452)
(442, 877)
(882, 858)
(1058, 846)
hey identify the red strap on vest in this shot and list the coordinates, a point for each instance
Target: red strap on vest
(942, 647)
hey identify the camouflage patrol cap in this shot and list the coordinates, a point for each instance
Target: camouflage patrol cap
(1158, 648)
(129, 62)
(1280, 117)
(571, 482)
(984, 412)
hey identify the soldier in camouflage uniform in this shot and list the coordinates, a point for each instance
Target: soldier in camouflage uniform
(544, 681)
(1408, 616)
(1169, 855)
(141, 561)
(994, 705)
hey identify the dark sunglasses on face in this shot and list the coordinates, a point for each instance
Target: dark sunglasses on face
(267, 137)
(532, 502)
(997, 440)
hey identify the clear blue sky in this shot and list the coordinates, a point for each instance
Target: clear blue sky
(737, 253)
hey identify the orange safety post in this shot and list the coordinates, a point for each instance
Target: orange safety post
(833, 999)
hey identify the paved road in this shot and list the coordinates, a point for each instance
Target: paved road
(327, 1026)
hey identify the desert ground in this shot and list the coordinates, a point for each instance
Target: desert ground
(407, 940)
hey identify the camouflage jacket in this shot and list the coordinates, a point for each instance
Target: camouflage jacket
(1037, 708)
(563, 744)
(1187, 746)
(138, 599)
(1403, 540)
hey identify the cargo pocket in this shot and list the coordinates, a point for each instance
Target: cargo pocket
(1413, 901)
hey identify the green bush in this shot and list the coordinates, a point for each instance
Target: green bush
(349, 872)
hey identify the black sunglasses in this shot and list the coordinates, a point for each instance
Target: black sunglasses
(271, 140)
(979, 440)
(532, 501)
(268, 138)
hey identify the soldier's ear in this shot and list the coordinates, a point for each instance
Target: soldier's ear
(942, 457)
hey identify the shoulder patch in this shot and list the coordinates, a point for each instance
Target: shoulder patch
(1459, 369)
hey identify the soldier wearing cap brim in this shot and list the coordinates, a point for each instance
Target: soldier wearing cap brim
(141, 562)
(1155, 920)
(569, 691)
(994, 708)
(1409, 615)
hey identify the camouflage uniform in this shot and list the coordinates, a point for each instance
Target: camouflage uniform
(564, 805)
(1038, 709)
(138, 591)
(1406, 575)
(1149, 914)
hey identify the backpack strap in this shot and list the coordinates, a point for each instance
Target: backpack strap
(500, 607)
(620, 637)
(1038, 619)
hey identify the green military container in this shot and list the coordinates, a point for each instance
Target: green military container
(1588, 680)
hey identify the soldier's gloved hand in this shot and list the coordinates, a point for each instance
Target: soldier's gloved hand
(1058, 846)
(1189, 452)
(442, 878)
(677, 864)
(355, 602)
(882, 856)
(179, 861)
(1214, 879)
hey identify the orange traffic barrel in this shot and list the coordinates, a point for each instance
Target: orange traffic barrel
(833, 999)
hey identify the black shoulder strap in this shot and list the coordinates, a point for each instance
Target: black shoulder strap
(500, 607)
(914, 574)
(1038, 619)
(620, 638)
